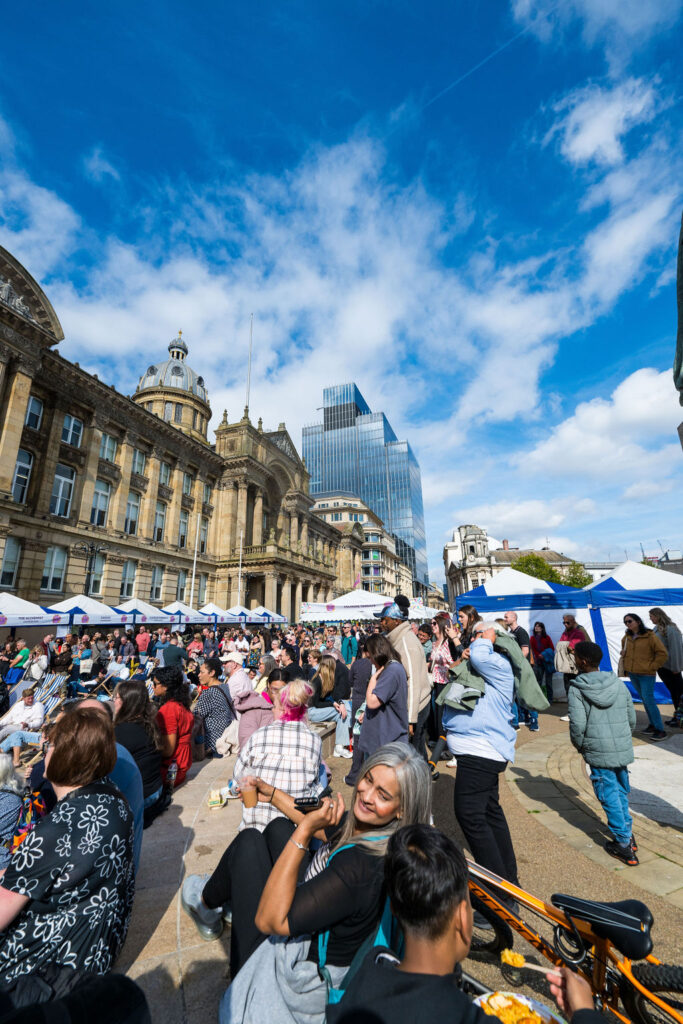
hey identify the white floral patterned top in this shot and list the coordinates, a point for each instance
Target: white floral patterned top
(76, 867)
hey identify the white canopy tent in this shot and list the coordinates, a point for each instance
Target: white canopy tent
(83, 610)
(14, 611)
(266, 614)
(246, 614)
(532, 599)
(218, 614)
(634, 587)
(181, 613)
(143, 612)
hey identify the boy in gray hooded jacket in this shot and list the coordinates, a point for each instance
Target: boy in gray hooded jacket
(601, 720)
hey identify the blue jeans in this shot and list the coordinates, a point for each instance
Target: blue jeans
(611, 787)
(17, 739)
(343, 730)
(645, 686)
(152, 798)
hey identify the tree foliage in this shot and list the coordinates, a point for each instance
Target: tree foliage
(576, 576)
(534, 565)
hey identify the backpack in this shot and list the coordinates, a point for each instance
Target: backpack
(387, 933)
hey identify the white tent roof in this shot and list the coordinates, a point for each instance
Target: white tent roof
(358, 598)
(186, 614)
(251, 615)
(636, 576)
(261, 610)
(14, 611)
(93, 611)
(143, 611)
(512, 581)
(221, 614)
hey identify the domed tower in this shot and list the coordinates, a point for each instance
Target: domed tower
(175, 393)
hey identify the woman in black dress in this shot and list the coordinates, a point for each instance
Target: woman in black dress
(136, 730)
(67, 894)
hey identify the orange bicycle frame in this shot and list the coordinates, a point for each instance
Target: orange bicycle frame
(602, 949)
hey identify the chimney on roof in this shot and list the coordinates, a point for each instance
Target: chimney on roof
(506, 545)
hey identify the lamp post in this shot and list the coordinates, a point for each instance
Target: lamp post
(91, 551)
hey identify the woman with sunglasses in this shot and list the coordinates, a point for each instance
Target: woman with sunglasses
(642, 654)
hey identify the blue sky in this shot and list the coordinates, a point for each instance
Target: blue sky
(470, 209)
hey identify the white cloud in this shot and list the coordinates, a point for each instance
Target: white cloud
(97, 167)
(593, 119)
(621, 26)
(647, 489)
(524, 522)
(620, 438)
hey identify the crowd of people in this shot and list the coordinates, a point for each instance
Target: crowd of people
(304, 884)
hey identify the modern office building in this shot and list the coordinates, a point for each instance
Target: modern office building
(355, 450)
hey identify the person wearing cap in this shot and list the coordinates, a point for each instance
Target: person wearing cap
(237, 679)
(394, 621)
(483, 742)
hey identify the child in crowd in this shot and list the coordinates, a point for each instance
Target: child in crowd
(426, 881)
(601, 720)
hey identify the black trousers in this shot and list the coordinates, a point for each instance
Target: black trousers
(418, 739)
(248, 862)
(674, 684)
(480, 816)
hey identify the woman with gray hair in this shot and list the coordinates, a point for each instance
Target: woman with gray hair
(266, 665)
(312, 913)
(10, 806)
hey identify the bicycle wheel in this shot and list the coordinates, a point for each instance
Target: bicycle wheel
(493, 939)
(665, 981)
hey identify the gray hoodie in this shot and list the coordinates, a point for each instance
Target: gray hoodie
(601, 719)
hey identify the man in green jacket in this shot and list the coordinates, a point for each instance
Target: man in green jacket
(601, 720)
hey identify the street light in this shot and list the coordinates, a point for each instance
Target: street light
(91, 550)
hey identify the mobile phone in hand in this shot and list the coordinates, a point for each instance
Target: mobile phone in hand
(306, 804)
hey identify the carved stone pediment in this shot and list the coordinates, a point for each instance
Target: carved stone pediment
(165, 493)
(138, 482)
(187, 502)
(108, 471)
(22, 296)
(207, 509)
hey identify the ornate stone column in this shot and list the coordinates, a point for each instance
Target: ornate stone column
(296, 610)
(293, 530)
(257, 529)
(50, 460)
(118, 505)
(149, 502)
(241, 526)
(15, 414)
(304, 537)
(271, 591)
(94, 439)
(173, 511)
(286, 599)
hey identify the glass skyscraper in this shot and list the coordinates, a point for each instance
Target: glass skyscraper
(355, 450)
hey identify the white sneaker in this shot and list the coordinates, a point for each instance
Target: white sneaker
(209, 923)
(453, 763)
(340, 751)
(565, 718)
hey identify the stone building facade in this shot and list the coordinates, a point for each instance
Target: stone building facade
(126, 496)
(380, 570)
(471, 558)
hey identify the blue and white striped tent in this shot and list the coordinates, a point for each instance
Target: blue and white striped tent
(599, 607)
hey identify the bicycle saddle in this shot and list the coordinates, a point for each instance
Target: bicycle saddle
(626, 924)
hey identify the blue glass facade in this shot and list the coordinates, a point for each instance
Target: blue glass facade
(356, 450)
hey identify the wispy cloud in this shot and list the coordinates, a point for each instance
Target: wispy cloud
(98, 168)
(619, 26)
